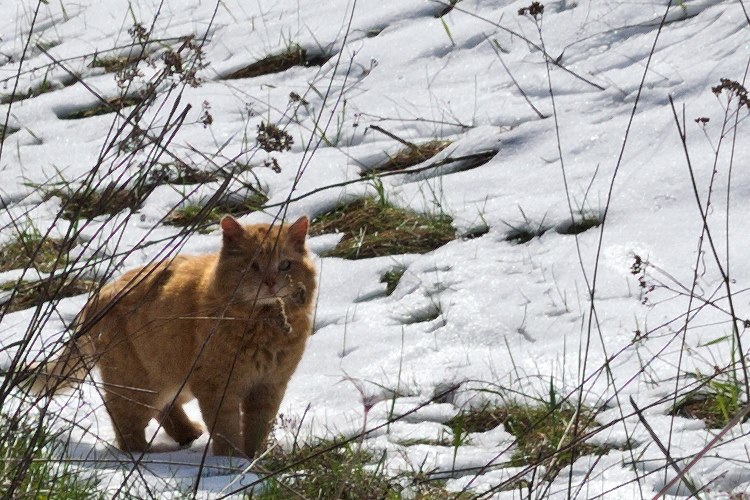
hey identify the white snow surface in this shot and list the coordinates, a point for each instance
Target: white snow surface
(505, 320)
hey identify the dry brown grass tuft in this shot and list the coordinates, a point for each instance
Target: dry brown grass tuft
(112, 105)
(294, 55)
(373, 229)
(33, 293)
(31, 250)
(409, 156)
(89, 203)
(543, 433)
(112, 64)
(197, 213)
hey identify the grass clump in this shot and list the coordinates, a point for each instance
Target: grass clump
(374, 228)
(476, 232)
(373, 32)
(716, 405)
(89, 202)
(391, 278)
(422, 442)
(112, 105)
(179, 172)
(294, 55)
(5, 131)
(524, 231)
(43, 88)
(586, 221)
(448, 6)
(409, 156)
(194, 213)
(111, 64)
(26, 294)
(522, 234)
(346, 472)
(29, 469)
(31, 249)
(543, 433)
(432, 311)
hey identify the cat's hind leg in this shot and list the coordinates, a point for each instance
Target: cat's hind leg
(129, 396)
(129, 420)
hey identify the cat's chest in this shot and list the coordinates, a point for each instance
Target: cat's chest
(263, 359)
(259, 349)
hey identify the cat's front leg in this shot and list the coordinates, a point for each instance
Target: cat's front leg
(259, 411)
(221, 413)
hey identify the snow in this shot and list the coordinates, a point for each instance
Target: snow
(508, 316)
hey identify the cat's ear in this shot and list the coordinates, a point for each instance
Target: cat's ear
(230, 228)
(298, 233)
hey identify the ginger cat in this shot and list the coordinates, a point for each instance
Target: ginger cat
(227, 328)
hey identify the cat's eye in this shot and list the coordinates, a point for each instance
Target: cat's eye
(284, 265)
(255, 266)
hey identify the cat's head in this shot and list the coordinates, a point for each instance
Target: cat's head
(260, 262)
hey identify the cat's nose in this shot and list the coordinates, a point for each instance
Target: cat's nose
(270, 281)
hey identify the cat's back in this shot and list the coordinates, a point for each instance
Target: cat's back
(174, 284)
(155, 308)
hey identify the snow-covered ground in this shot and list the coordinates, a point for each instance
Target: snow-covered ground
(560, 310)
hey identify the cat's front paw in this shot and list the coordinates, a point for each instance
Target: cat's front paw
(275, 317)
(274, 308)
(298, 295)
